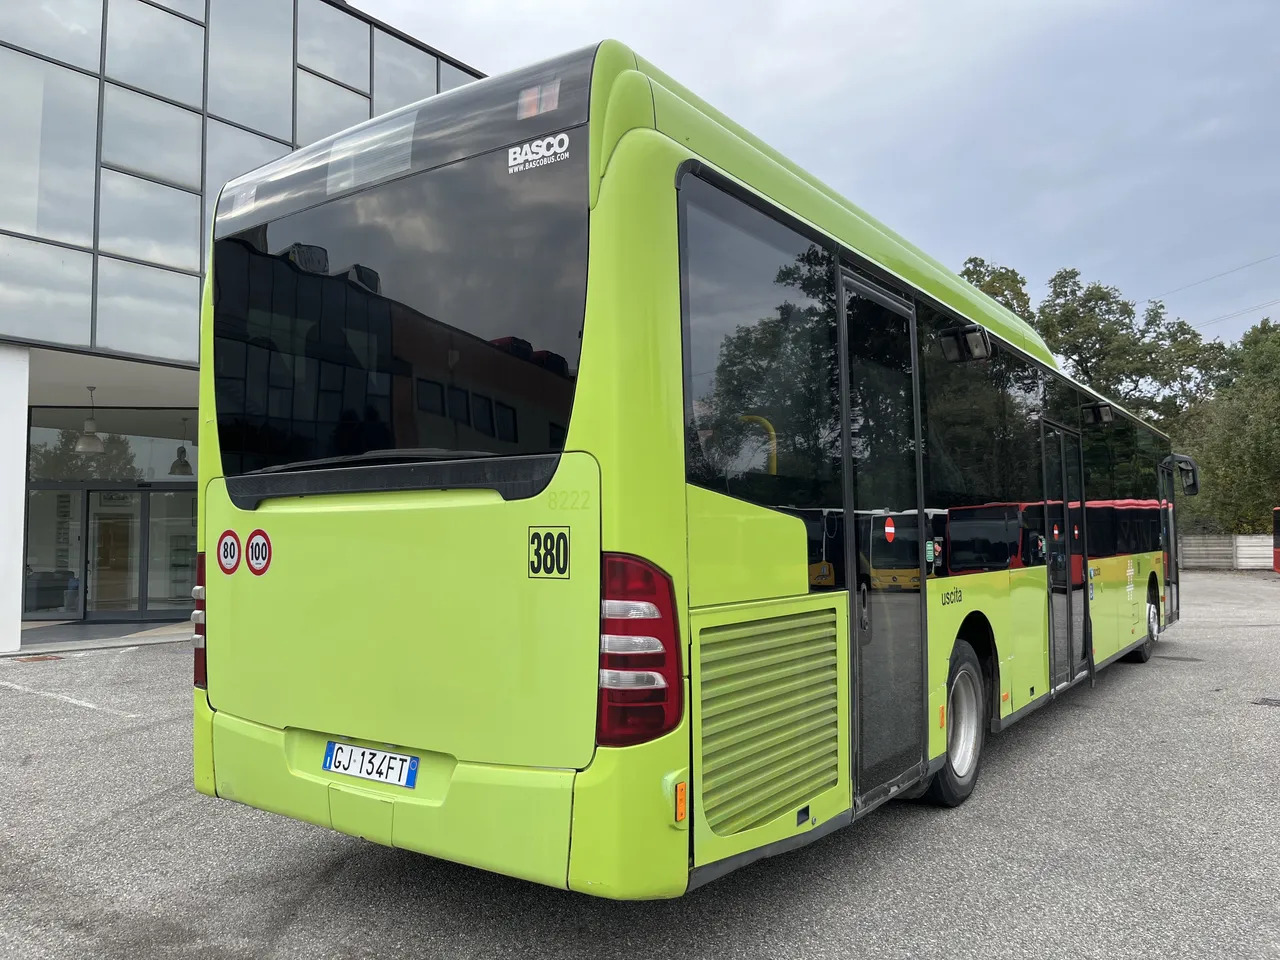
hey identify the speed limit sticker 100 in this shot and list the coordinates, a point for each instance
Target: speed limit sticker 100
(257, 552)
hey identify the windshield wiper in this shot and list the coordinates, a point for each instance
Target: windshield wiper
(372, 457)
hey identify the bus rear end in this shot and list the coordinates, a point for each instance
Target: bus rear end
(401, 601)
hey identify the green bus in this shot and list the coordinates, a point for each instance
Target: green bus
(503, 565)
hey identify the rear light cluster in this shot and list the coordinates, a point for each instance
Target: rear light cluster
(641, 682)
(197, 619)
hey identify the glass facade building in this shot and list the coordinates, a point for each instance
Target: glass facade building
(122, 120)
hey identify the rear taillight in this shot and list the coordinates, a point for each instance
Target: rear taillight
(197, 619)
(641, 684)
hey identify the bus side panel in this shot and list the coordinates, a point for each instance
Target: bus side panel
(628, 411)
(1028, 637)
(1108, 605)
(951, 601)
(630, 392)
(723, 530)
(1118, 604)
(630, 832)
(202, 743)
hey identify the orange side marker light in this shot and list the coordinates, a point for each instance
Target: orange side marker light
(942, 716)
(1004, 697)
(681, 801)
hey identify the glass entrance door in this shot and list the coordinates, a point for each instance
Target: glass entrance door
(1169, 544)
(54, 577)
(886, 550)
(171, 553)
(1064, 547)
(113, 561)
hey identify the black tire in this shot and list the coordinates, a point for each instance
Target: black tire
(951, 787)
(1143, 653)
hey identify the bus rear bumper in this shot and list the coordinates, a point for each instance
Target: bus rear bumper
(509, 820)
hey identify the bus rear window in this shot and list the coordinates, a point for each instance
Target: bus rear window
(434, 317)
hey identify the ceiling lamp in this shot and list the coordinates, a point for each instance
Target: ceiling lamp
(181, 467)
(89, 441)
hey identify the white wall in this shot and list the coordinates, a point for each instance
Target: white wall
(13, 489)
(1253, 552)
(1239, 552)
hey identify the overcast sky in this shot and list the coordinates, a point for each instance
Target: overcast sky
(1138, 140)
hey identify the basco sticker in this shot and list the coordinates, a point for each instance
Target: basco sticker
(257, 550)
(228, 552)
(888, 529)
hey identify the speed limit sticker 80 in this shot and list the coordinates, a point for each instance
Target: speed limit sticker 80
(228, 552)
(256, 552)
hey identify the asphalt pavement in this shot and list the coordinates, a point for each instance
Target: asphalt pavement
(1140, 818)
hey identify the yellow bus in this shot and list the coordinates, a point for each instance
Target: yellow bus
(495, 565)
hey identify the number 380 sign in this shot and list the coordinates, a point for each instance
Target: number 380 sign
(549, 552)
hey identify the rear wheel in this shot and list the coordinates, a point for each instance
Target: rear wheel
(1143, 653)
(966, 729)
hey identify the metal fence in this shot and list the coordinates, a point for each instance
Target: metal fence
(1242, 552)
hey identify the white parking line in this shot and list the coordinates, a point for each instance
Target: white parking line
(72, 700)
(97, 653)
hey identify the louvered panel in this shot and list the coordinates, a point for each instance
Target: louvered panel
(770, 721)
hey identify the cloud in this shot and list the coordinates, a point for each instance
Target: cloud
(1133, 139)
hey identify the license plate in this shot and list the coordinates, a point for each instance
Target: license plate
(371, 764)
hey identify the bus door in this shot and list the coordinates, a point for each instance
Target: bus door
(1169, 544)
(888, 608)
(1069, 642)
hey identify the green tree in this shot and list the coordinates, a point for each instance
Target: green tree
(1004, 285)
(1154, 365)
(1235, 437)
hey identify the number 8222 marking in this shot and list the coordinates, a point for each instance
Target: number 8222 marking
(549, 552)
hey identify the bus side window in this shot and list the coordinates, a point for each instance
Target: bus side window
(761, 365)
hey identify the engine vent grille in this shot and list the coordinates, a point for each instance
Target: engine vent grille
(770, 721)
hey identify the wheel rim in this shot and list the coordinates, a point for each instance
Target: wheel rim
(962, 722)
(1153, 622)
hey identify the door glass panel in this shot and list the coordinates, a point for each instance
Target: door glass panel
(171, 556)
(1059, 556)
(115, 551)
(887, 543)
(55, 554)
(1169, 544)
(1075, 544)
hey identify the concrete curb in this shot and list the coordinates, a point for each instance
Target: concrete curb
(83, 646)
